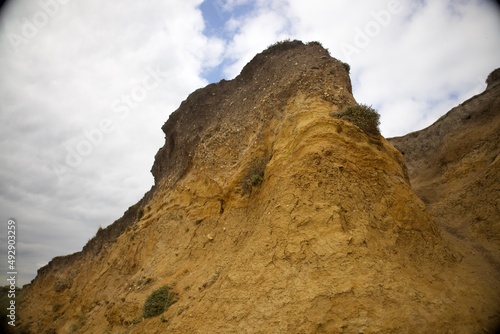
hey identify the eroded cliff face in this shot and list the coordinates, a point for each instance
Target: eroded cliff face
(270, 216)
(454, 167)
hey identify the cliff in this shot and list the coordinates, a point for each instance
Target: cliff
(270, 215)
(461, 145)
(454, 166)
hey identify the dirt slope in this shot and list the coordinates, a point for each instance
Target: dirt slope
(270, 216)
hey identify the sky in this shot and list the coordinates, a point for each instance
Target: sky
(85, 87)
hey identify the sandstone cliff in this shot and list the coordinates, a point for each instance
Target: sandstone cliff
(454, 167)
(270, 216)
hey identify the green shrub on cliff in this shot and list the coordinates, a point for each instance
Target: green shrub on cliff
(255, 176)
(363, 116)
(159, 301)
(347, 67)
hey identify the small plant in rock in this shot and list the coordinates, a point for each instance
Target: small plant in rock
(257, 178)
(363, 116)
(283, 45)
(159, 301)
(347, 67)
(56, 307)
(255, 175)
(73, 328)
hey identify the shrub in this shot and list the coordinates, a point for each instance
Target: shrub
(158, 301)
(347, 67)
(283, 45)
(363, 116)
(255, 175)
(257, 178)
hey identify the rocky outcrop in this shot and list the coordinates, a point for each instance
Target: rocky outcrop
(454, 167)
(269, 215)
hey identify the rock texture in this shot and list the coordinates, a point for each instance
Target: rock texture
(270, 216)
(454, 167)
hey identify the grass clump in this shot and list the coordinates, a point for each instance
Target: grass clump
(257, 178)
(347, 67)
(283, 45)
(254, 176)
(159, 301)
(363, 116)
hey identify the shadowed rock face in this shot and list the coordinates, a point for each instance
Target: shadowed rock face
(454, 168)
(269, 215)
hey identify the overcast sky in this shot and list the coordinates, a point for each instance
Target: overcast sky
(85, 87)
